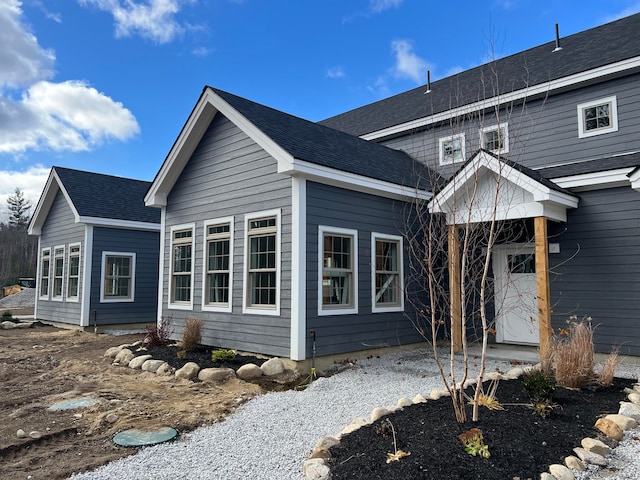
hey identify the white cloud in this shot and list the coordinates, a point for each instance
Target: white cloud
(336, 72)
(30, 181)
(22, 59)
(377, 6)
(69, 115)
(408, 64)
(152, 19)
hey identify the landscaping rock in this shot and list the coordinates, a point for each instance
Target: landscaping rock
(419, 399)
(152, 365)
(625, 423)
(215, 374)
(327, 442)
(323, 453)
(111, 418)
(354, 425)
(123, 357)
(23, 325)
(574, 463)
(21, 433)
(589, 457)
(494, 376)
(7, 325)
(189, 371)
(438, 393)
(609, 428)
(136, 363)
(514, 373)
(547, 476)
(634, 398)
(595, 446)
(561, 472)
(165, 369)
(315, 469)
(112, 352)
(378, 412)
(35, 434)
(273, 366)
(404, 402)
(629, 409)
(249, 371)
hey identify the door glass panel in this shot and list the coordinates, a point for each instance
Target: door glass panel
(522, 263)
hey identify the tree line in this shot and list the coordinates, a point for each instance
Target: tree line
(18, 251)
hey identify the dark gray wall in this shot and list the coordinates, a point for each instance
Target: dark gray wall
(336, 207)
(146, 246)
(230, 175)
(597, 272)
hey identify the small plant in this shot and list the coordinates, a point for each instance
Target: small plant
(543, 408)
(474, 443)
(538, 385)
(7, 316)
(489, 399)
(192, 334)
(159, 334)
(608, 370)
(182, 354)
(223, 355)
(397, 454)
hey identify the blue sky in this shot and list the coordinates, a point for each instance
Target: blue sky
(106, 85)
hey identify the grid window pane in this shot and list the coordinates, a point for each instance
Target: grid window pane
(118, 277)
(218, 264)
(262, 274)
(387, 273)
(597, 117)
(337, 271)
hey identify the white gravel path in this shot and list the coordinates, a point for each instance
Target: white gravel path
(270, 436)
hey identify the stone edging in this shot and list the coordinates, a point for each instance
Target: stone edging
(591, 451)
(123, 355)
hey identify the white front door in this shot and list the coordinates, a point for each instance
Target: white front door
(516, 298)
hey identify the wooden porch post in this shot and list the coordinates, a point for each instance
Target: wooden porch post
(454, 288)
(542, 276)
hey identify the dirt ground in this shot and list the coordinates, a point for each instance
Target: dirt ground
(44, 365)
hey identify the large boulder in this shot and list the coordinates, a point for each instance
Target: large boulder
(273, 366)
(137, 362)
(215, 374)
(189, 371)
(249, 371)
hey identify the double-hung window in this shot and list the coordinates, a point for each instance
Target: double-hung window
(262, 279)
(181, 266)
(218, 272)
(73, 275)
(58, 272)
(118, 277)
(45, 267)
(451, 149)
(495, 138)
(338, 273)
(598, 117)
(387, 273)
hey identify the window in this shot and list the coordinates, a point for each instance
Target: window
(73, 280)
(181, 266)
(451, 149)
(387, 273)
(44, 272)
(118, 277)
(338, 293)
(262, 282)
(495, 138)
(58, 272)
(598, 117)
(219, 265)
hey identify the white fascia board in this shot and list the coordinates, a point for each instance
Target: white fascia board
(543, 88)
(128, 224)
(597, 180)
(352, 181)
(46, 202)
(508, 212)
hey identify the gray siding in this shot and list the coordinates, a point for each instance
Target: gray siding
(146, 246)
(230, 175)
(335, 207)
(542, 133)
(597, 272)
(60, 229)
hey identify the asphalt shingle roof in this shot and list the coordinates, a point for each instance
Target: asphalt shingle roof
(327, 147)
(596, 47)
(592, 166)
(106, 196)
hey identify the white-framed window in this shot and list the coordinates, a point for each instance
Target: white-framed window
(118, 278)
(73, 272)
(337, 271)
(45, 272)
(598, 117)
(218, 271)
(387, 273)
(451, 149)
(58, 272)
(262, 263)
(181, 284)
(495, 138)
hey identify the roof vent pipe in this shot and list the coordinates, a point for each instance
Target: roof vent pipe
(428, 82)
(558, 47)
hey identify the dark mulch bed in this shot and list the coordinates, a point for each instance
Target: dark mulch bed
(521, 444)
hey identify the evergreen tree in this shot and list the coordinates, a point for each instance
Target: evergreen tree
(19, 208)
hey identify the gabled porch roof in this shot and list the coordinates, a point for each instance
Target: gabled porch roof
(489, 186)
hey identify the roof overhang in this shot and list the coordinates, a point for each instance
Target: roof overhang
(488, 188)
(45, 202)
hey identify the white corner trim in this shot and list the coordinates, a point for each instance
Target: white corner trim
(298, 269)
(87, 264)
(163, 247)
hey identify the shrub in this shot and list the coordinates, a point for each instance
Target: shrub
(223, 355)
(159, 335)
(539, 386)
(574, 355)
(7, 316)
(608, 369)
(192, 334)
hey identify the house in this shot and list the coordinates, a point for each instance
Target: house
(98, 250)
(287, 237)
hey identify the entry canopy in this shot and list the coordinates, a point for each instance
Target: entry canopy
(488, 186)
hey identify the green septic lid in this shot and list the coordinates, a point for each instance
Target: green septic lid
(137, 438)
(75, 403)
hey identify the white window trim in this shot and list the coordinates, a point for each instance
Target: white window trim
(246, 307)
(207, 307)
(390, 308)
(170, 303)
(74, 298)
(325, 310)
(450, 138)
(131, 297)
(54, 297)
(49, 285)
(505, 137)
(583, 133)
